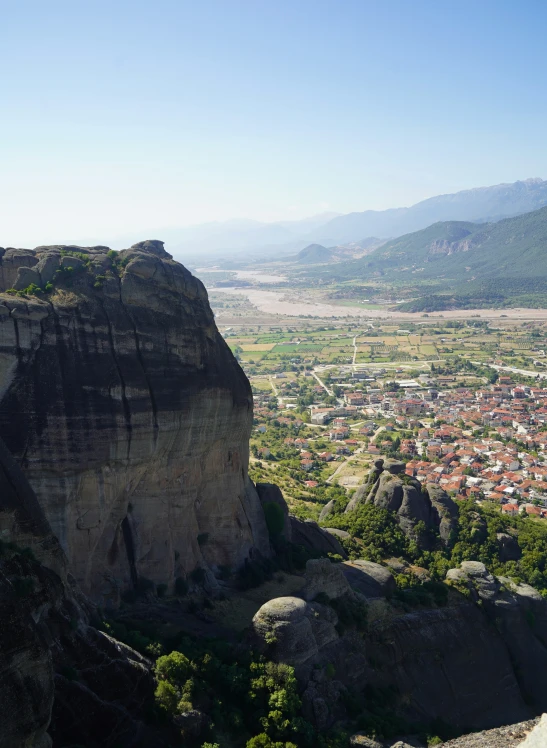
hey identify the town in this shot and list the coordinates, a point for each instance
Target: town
(465, 422)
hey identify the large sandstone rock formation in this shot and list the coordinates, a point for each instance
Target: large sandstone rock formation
(128, 414)
(478, 662)
(419, 508)
(306, 533)
(60, 678)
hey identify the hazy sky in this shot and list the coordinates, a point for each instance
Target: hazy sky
(126, 114)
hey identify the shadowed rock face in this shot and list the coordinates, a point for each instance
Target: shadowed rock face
(60, 678)
(129, 416)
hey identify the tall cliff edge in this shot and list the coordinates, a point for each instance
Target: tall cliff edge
(128, 414)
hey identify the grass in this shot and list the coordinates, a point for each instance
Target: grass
(257, 346)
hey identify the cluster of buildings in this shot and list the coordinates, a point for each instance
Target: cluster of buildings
(488, 444)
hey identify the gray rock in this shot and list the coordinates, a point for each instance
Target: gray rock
(479, 580)
(538, 737)
(443, 510)
(292, 631)
(26, 276)
(47, 267)
(474, 568)
(321, 702)
(509, 736)
(269, 493)
(360, 740)
(368, 578)
(457, 575)
(327, 510)
(153, 416)
(71, 262)
(397, 565)
(361, 494)
(152, 246)
(312, 537)
(413, 504)
(509, 547)
(395, 467)
(338, 533)
(322, 576)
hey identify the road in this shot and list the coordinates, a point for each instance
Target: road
(276, 392)
(348, 459)
(354, 350)
(274, 388)
(323, 385)
(342, 464)
(514, 370)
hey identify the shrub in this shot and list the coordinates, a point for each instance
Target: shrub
(174, 667)
(166, 697)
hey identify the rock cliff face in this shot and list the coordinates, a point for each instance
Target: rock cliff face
(476, 663)
(60, 678)
(128, 415)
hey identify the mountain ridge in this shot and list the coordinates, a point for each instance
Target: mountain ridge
(476, 204)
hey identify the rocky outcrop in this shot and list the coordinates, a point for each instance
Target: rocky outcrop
(360, 495)
(11, 260)
(325, 578)
(26, 668)
(537, 738)
(428, 507)
(315, 539)
(368, 578)
(360, 740)
(60, 678)
(475, 663)
(269, 493)
(129, 416)
(509, 547)
(295, 631)
(509, 736)
(327, 510)
(519, 613)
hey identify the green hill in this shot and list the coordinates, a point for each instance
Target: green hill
(314, 253)
(511, 247)
(476, 264)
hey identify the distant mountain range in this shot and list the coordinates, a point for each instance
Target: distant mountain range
(222, 237)
(476, 264)
(511, 248)
(243, 239)
(477, 205)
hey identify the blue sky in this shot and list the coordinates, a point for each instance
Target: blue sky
(120, 115)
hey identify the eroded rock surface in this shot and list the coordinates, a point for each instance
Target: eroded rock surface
(128, 414)
(308, 534)
(324, 577)
(415, 505)
(509, 736)
(368, 578)
(60, 678)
